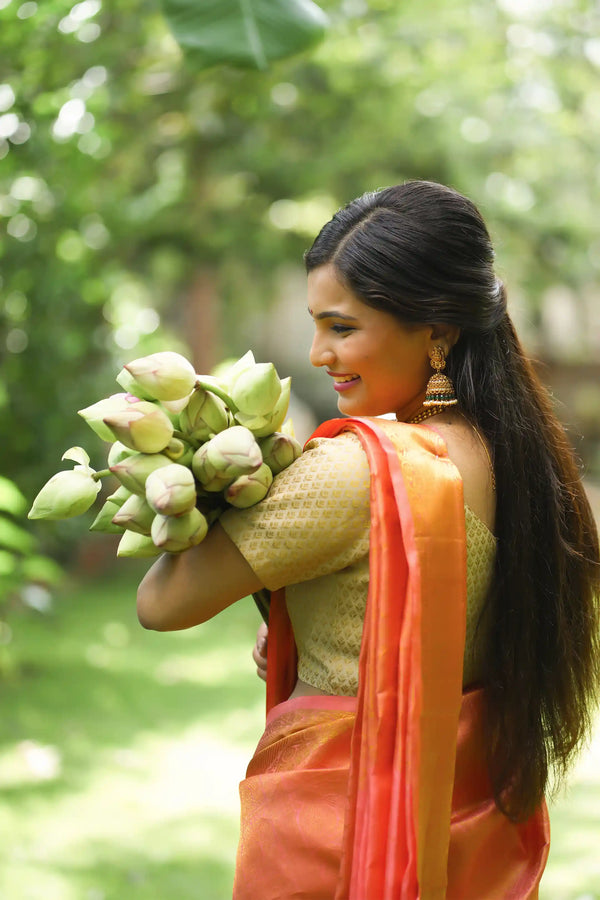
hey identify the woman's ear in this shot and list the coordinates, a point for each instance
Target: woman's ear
(445, 336)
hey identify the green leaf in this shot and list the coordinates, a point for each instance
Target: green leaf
(14, 538)
(11, 498)
(244, 33)
(8, 563)
(42, 569)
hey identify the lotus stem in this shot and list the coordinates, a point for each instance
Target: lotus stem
(103, 473)
(185, 438)
(208, 386)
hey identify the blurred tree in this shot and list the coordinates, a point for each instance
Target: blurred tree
(131, 181)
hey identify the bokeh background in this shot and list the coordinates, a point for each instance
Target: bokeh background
(158, 193)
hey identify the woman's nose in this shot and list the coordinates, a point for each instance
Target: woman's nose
(319, 354)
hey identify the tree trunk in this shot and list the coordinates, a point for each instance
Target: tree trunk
(201, 321)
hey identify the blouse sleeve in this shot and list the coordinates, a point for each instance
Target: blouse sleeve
(314, 519)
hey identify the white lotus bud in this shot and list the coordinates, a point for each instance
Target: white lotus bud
(249, 489)
(137, 545)
(171, 490)
(177, 533)
(164, 376)
(279, 451)
(133, 471)
(118, 452)
(135, 515)
(143, 426)
(230, 453)
(256, 390)
(262, 426)
(204, 416)
(95, 414)
(104, 520)
(68, 493)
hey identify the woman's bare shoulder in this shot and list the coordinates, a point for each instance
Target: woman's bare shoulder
(470, 454)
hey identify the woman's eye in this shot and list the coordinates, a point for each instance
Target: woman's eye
(342, 329)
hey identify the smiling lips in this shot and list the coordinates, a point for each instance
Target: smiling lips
(344, 382)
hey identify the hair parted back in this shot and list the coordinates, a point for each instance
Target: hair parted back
(422, 252)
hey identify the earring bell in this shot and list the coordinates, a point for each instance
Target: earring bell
(440, 390)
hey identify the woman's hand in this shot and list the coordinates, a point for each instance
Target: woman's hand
(259, 653)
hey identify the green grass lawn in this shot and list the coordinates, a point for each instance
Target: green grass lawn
(121, 751)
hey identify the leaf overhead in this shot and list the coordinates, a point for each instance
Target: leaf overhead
(11, 498)
(243, 33)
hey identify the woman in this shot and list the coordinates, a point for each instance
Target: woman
(441, 576)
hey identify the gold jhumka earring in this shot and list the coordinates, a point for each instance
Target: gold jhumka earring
(439, 390)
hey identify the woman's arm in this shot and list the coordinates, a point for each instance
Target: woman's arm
(307, 526)
(184, 589)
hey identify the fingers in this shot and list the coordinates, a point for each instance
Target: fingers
(259, 653)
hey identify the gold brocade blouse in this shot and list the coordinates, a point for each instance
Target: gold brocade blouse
(311, 535)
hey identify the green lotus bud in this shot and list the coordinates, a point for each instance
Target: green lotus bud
(228, 371)
(119, 496)
(135, 515)
(118, 452)
(104, 519)
(214, 379)
(249, 489)
(187, 457)
(177, 533)
(143, 426)
(137, 545)
(129, 384)
(165, 376)
(279, 451)
(133, 471)
(68, 493)
(262, 426)
(256, 390)
(210, 479)
(230, 453)
(171, 490)
(95, 414)
(204, 416)
(174, 407)
(175, 449)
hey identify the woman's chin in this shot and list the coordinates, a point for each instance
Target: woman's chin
(349, 408)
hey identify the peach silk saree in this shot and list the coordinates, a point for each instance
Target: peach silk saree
(386, 796)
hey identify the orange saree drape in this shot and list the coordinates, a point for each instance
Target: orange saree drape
(386, 796)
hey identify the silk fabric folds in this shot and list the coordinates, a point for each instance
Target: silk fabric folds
(386, 796)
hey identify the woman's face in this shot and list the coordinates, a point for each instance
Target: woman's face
(377, 365)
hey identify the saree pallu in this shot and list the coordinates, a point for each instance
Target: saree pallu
(385, 796)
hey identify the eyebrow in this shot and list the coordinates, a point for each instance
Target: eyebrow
(332, 314)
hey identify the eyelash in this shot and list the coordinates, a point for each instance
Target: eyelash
(342, 329)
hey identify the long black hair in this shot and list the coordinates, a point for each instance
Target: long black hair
(422, 252)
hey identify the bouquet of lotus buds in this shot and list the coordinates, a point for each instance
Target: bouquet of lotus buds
(184, 448)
